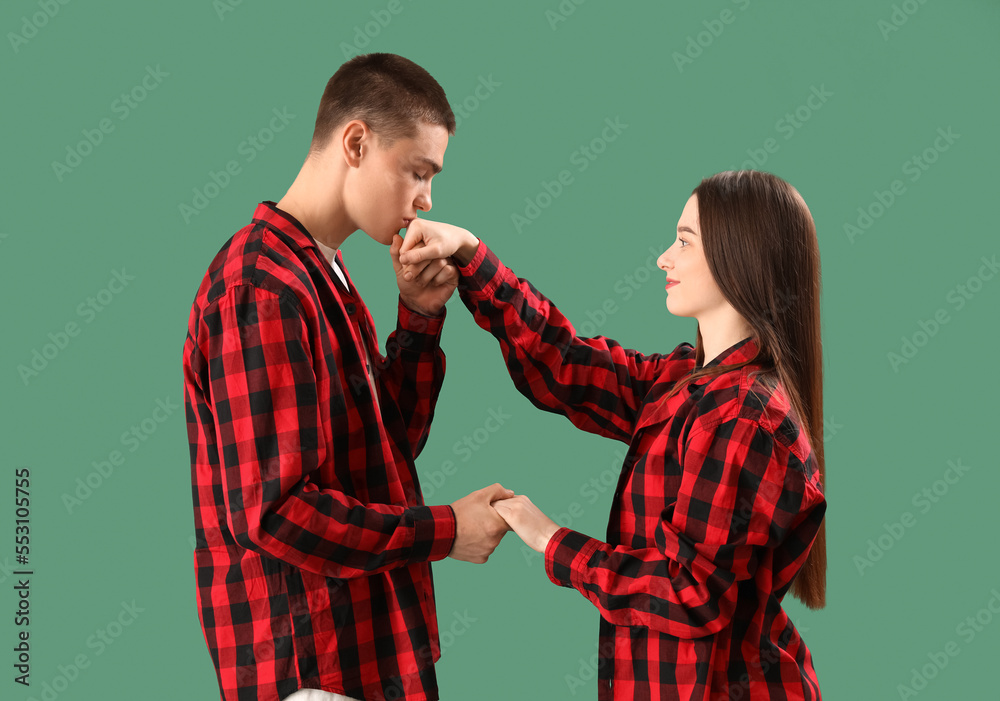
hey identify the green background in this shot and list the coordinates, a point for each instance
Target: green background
(891, 430)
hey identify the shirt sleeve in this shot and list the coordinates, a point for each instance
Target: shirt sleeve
(594, 382)
(743, 496)
(271, 439)
(413, 369)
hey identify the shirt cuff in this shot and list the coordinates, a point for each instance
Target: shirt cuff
(482, 275)
(418, 332)
(434, 532)
(566, 556)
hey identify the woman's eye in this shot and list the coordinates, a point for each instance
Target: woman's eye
(682, 241)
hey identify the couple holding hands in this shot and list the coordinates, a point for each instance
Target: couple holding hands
(313, 543)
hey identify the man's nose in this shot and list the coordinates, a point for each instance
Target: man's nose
(423, 202)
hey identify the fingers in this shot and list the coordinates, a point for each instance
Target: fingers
(397, 240)
(429, 271)
(416, 254)
(448, 274)
(414, 236)
(421, 258)
(501, 527)
(502, 512)
(496, 491)
(416, 248)
(412, 270)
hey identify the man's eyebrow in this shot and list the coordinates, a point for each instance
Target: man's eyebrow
(684, 228)
(433, 164)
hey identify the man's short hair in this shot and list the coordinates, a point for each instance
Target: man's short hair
(391, 94)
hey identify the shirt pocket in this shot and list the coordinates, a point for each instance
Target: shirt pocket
(253, 576)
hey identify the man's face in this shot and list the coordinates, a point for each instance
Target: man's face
(390, 185)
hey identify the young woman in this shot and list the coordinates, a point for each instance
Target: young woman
(719, 507)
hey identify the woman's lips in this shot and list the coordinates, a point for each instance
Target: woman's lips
(671, 284)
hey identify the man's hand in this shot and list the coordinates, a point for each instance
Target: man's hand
(428, 293)
(534, 527)
(428, 245)
(479, 529)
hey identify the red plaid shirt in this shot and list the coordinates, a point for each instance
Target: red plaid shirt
(313, 542)
(716, 508)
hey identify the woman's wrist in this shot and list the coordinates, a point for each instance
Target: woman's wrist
(467, 251)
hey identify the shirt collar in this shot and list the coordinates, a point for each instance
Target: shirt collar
(739, 352)
(269, 213)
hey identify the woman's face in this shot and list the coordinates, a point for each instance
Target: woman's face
(694, 293)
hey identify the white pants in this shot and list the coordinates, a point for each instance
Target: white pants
(318, 695)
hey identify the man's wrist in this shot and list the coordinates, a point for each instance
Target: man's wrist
(467, 251)
(420, 310)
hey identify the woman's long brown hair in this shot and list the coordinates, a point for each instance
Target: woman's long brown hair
(760, 244)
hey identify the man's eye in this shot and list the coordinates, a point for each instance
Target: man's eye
(418, 176)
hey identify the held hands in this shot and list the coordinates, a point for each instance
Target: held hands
(427, 293)
(483, 517)
(478, 528)
(429, 244)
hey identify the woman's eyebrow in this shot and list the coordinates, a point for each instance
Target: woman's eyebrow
(684, 228)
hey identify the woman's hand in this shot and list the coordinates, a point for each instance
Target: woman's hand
(428, 241)
(428, 296)
(525, 519)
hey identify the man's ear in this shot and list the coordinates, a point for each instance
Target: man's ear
(355, 142)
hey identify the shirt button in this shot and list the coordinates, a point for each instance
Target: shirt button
(350, 308)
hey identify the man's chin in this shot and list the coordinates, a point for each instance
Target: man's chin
(383, 238)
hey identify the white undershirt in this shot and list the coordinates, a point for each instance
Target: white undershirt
(331, 255)
(318, 695)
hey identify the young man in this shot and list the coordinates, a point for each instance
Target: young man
(313, 543)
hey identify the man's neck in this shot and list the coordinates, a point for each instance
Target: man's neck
(309, 200)
(329, 253)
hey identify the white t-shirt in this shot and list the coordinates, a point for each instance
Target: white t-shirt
(318, 695)
(331, 255)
